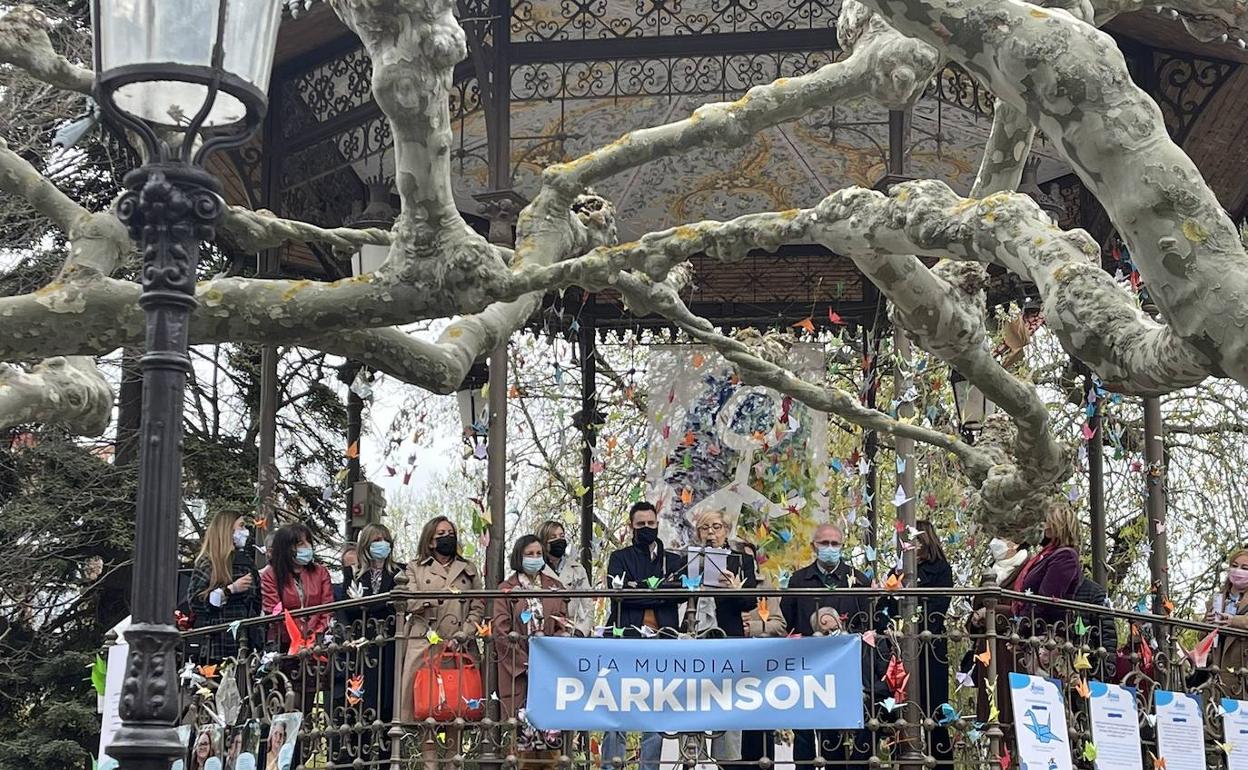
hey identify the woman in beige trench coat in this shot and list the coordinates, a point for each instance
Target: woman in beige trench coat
(439, 568)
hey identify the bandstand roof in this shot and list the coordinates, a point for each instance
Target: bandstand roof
(584, 72)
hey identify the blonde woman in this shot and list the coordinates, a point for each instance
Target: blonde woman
(224, 586)
(1054, 571)
(438, 569)
(1229, 607)
(373, 574)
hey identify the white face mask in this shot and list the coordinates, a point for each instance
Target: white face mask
(999, 548)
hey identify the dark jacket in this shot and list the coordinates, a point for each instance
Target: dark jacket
(934, 574)
(798, 609)
(374, 661)
(1102, 632)
(728, 610)
(635, 566)
(236, 607)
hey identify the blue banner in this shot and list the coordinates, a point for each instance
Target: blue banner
(694, 685)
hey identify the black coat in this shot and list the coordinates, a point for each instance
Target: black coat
(798, 609)
(374, 661)
(1102, 632)
(217, 647)
(635, 566)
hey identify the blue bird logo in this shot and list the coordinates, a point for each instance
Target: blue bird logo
(1043, 732)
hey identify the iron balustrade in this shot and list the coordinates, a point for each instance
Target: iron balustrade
(349, 685)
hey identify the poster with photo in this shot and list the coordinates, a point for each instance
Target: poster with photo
(242, 746)
(208, 748)
(280, 746)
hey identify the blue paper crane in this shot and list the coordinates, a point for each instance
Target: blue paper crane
(1043, 732)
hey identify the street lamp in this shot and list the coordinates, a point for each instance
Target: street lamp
(185, 77)
(972, 406)
(474, 409)
(379, 214)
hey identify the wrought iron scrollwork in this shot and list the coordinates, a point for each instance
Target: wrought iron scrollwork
(1185, 86)
(532, 20)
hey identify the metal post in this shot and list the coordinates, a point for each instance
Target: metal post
(1155, 506)
(355, 427)
(911, 756)
(898, 136)
(871, 441)
(169, 208)
(496, 467)
(1096, 489)
(266, 475)
(589, 436)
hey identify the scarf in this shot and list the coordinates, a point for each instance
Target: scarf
(1006, 567)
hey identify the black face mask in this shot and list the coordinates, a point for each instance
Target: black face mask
(446, 545)
(557, 548)
(645, 536)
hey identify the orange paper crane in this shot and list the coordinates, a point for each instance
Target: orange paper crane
(297, 642)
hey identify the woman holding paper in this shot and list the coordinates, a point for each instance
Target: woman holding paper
(1229, 607)
(721, 616)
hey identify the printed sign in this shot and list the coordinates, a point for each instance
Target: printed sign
(1235, 733)
(1115, 727)
(1180, 730)
(1040, 723)
(695, 685)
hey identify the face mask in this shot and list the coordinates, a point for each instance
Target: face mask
(1238, 577)
(241, 536)
(830, 555)
(533, 564)
(446, 545)
(645, 536)
(998, 547)
(379, 549)
(304, 556)
(557, 548)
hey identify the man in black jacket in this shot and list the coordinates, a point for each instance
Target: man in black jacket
(1102, 632)
(642, 566)
(828, 571)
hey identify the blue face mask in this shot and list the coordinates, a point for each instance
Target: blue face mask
(304, 556)
(829, 555)
(533, 564)
(379, 549)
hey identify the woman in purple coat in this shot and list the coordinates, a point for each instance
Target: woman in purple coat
(1054, 572)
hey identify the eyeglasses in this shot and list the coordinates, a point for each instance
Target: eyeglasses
(716, 527)
(825, 543)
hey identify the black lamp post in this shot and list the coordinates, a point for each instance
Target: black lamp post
(185, 77)
(474, 409)
(972, 406)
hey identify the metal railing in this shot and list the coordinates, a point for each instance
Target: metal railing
(345, 700)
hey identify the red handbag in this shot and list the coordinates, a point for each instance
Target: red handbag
(447, 687)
